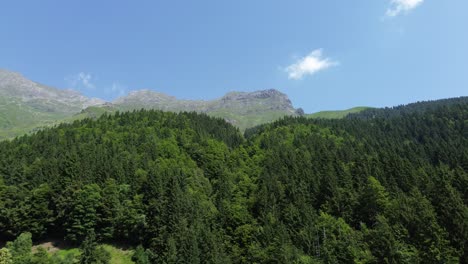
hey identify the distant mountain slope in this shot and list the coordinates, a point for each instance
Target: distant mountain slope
(238, 108)
(338, 113)
(26, 105)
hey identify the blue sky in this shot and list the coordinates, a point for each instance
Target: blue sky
(331, 54)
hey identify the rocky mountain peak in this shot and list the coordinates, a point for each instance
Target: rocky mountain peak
(271, 98)
(144, 97)
(11, 82)
(271, 93)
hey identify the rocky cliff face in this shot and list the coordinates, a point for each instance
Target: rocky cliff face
(267, 100)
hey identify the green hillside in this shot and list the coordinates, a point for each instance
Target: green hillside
(17, 118)
(185, 188)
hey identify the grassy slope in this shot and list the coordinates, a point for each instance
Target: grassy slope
(17, 118)
(337, 114)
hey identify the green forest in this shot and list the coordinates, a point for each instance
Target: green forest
(379, 186)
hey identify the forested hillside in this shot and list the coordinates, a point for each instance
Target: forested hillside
(337, 114)
(188, 188)
(418, 107)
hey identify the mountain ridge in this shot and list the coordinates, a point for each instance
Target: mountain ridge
(270, 99)
(27, 105)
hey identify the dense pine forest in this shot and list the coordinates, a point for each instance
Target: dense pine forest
(380, 186)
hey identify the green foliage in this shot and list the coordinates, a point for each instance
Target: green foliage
(337, 242)
(140, 256)
(118, 255)
(40, 257)
(65, 257)
(82, 215)
(20, 249)
(374, 200)
(189, 188)
(91, 253)
(5, 256)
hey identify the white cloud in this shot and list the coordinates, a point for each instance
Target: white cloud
(402, 6)
(81, 80)
(86, 83)
(118, 90)
(85, 79)
(309, 65)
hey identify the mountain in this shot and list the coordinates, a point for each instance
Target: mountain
(241, 109)
(26, 105)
